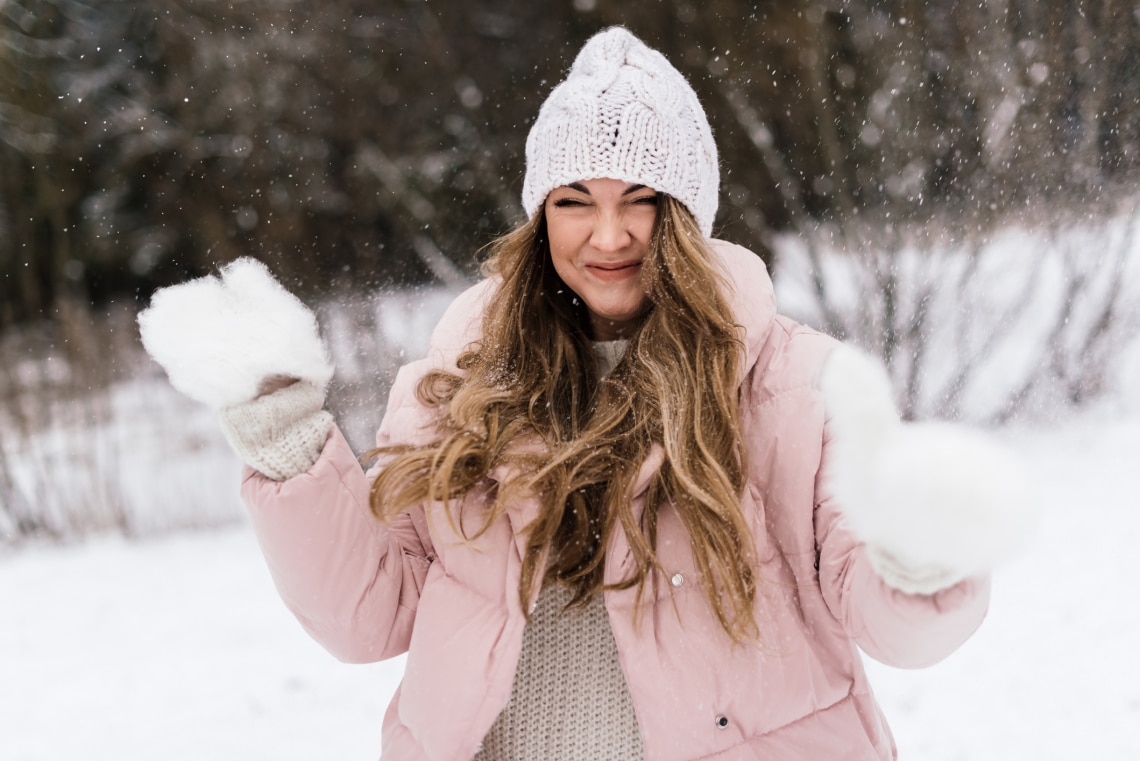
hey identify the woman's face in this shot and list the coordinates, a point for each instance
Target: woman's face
(599, 234)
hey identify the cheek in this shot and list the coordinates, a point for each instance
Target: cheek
(644, 226)
(560, 258)
(564, 269)
(563, 248)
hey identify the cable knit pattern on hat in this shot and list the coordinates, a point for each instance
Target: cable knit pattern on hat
(279, 434)
(624, 113)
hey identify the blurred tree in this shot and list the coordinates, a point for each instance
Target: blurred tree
(358, 142)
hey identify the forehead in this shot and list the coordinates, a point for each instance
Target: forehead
(603, 186)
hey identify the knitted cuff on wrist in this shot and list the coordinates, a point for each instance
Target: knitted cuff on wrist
(281, 434)
(914, 581)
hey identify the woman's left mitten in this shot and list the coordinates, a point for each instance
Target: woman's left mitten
(934, 503)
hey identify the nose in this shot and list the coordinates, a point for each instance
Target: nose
(610, 232)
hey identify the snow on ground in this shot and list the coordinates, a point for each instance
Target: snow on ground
(179, 648)
(173, 648)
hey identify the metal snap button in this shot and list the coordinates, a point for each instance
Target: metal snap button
(677, 580)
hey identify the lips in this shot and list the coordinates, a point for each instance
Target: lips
(615, 271)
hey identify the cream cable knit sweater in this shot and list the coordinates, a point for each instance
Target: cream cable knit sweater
(569, 701)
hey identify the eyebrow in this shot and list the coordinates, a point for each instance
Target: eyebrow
(583, 189)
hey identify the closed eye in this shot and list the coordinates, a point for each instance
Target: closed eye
(568, 202)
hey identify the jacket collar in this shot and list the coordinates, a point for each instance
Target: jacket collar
(750, 296)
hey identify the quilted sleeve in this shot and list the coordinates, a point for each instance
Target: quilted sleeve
(353, 582)
(897, 628)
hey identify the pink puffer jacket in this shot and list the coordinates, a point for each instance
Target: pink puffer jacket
(368, 591)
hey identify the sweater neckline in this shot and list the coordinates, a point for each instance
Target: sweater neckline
(609, 353)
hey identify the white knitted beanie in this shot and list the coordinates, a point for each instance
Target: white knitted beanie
(624, 113)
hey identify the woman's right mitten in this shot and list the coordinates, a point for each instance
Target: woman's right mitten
(221, 339)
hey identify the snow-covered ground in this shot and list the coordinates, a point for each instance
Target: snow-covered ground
(178, 648)
(171, 648)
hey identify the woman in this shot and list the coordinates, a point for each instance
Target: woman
(625, 509)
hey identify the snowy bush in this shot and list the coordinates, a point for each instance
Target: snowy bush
(993, 328)
(93, 438)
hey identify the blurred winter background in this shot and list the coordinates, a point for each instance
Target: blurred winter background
(953, 185)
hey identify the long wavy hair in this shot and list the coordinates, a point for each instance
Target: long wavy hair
(528, 395)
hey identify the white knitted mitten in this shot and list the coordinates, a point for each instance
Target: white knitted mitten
(221, 338)
(935, 503)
